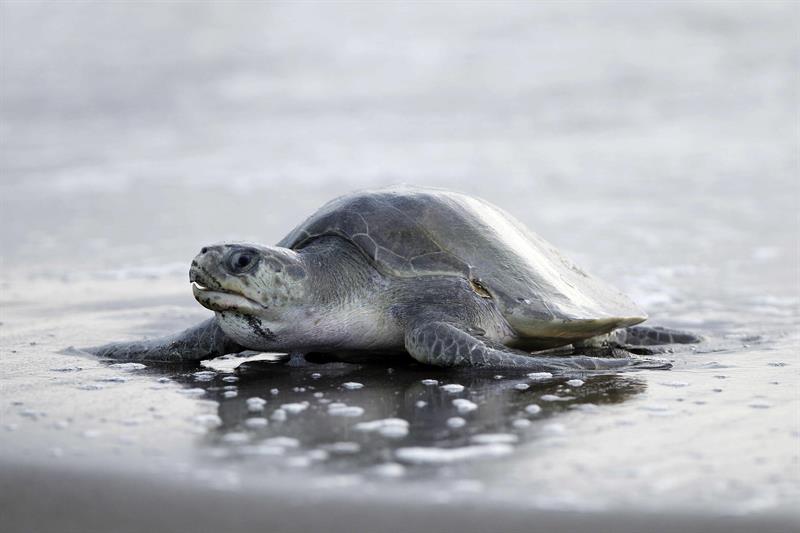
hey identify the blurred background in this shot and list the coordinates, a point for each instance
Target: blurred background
(656, 143)
(135, 132)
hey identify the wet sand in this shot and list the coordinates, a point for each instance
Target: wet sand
(54, 500)
(710, 442)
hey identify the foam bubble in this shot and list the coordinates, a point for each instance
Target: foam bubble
(283, 442)
(456, 422)
(393, 428)
(339, 409)
(192, 392)
(294, 408)
(256, 422)
(556, 398)
(533, 409)
(494, 438)
(255, 404)
(464, 406)
(128, 366)
(433, 455)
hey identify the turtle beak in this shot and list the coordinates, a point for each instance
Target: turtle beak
(204, 266)
(196, 278)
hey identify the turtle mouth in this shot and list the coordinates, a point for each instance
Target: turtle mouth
(218, 299)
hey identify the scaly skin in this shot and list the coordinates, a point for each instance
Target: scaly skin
(653, 336)
(445, 344)
(203, 341)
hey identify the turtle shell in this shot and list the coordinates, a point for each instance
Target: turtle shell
(412, 232)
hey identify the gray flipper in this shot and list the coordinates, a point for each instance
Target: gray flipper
(446, 344)
(203, 341)
(652, 336)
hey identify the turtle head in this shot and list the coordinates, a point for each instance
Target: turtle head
(252, 288)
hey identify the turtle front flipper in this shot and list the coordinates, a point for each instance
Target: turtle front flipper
(203, 341)
(447, 344)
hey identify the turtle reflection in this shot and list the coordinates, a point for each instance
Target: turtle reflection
(316, 414)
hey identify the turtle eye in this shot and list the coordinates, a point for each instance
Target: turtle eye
(241, 261)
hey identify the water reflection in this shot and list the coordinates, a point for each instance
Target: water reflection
(343, 417)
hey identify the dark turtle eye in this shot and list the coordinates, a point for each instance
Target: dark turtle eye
(240, 261)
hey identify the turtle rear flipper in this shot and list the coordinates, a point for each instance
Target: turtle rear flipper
(652, 336)
(446, 344)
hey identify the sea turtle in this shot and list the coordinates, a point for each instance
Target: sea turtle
(448, 278)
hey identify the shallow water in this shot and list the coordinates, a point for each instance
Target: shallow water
(656, 146)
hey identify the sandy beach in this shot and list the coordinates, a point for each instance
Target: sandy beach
(655, 144)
